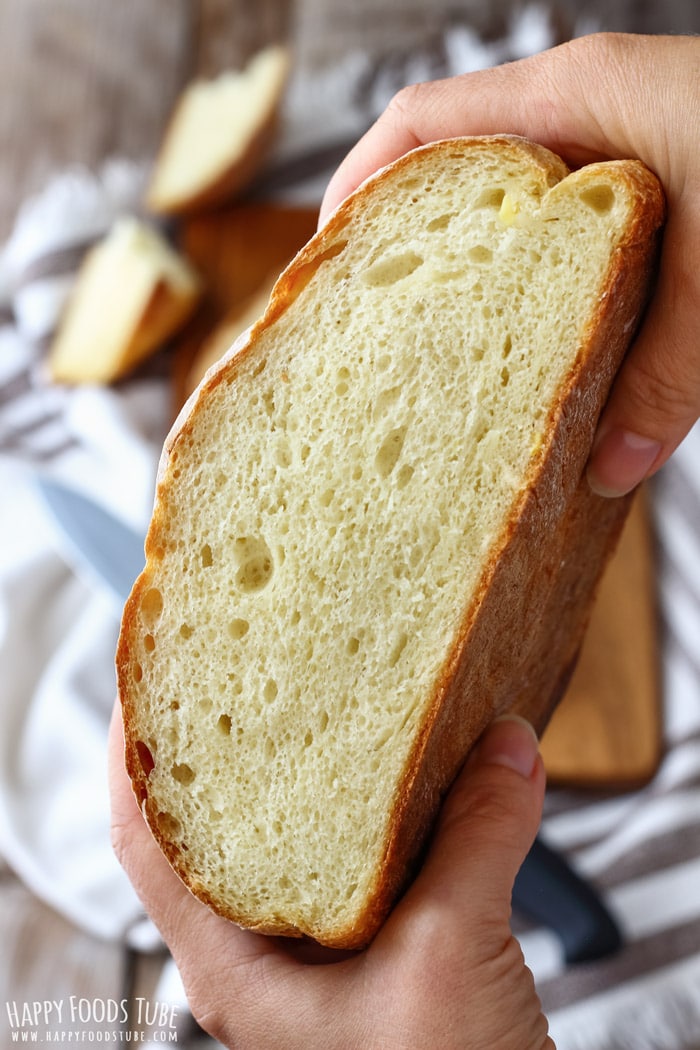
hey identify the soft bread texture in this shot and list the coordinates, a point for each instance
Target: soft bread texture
(218, 135)
(132, 292)
(372, 533)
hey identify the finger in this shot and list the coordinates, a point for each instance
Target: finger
(656, 397)
(495, 807)
(488, 823)
(539, 97)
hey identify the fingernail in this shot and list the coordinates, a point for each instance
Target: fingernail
(510, 741)
(620, 460)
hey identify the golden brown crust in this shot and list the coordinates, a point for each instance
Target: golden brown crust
(536, 593)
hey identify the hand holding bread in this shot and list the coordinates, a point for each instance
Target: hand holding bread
(443, 971)
(598, 97)
(372, 531)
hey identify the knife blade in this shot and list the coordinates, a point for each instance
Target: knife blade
(547, 889)
(95, 542)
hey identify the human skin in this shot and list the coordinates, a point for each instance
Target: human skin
(601, 97)
(443, 971)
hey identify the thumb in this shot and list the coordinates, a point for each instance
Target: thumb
(492, 814)
(656, 397)
(488, 823)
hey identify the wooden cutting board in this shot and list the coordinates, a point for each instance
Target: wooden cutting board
(606, 731)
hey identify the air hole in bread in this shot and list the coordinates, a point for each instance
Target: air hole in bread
(151, 606)
(269, 403)
(138, 672)
(507, 346)
(206, 556)
(397, 649)
(389, 451)
(440, 222)
(149, 643)
(223, 724)
(392, 269)
(185, 631)
(404, 475)
(353, 645)
(599, 198)
(169, 826)
(270, 691)
(480, 254)
(254, 559)
(505, 376)
(343, 384)
(183, 773)
(145, 757)
(491, 198)
(238, 629)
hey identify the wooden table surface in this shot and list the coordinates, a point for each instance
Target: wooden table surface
(83, 80)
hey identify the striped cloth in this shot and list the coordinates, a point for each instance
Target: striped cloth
(642, 849)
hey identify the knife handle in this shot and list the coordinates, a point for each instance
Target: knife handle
(548, 891)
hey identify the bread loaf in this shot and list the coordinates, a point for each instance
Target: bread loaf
(217, 135)
(372, 531)
(132, 292)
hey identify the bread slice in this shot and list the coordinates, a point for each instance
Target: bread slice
(217, 135)
(132, 293)
(372, 531)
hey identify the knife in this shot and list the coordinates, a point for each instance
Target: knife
(96, 544)
(547, 890)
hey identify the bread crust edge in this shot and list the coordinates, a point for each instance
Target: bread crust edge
(587, 529)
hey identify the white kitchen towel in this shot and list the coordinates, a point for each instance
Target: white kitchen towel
(57, 629)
